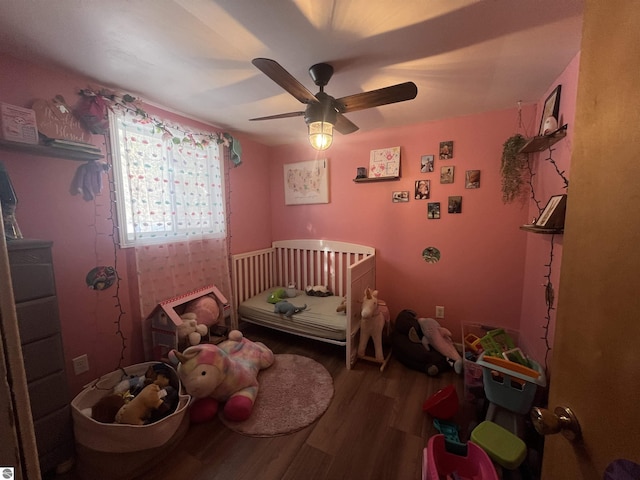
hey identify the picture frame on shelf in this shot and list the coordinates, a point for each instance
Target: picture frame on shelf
(384, 162)
(553, 214)
(551, 108)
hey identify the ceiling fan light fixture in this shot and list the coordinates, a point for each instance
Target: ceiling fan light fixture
(320, 134)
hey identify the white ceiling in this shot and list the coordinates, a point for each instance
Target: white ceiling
(194, 56)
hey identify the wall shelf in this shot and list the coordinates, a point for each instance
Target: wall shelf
(542, 230)
(47, 151)
(542, 142)
(376, 179)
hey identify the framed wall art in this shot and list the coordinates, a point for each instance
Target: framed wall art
(446, 150)
(454, 204)
(551, 108)
(433, 210)
(422, 189)
(426, 163)
(384, 162)
(306, 182)
(472, 179)
(446, 174)
(400, 197)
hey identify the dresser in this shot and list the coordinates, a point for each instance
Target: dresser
(39, 324)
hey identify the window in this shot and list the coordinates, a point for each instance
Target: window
(166, 191)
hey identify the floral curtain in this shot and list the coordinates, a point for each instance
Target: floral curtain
(175, 218)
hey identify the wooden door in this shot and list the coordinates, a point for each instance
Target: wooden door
(596, 361)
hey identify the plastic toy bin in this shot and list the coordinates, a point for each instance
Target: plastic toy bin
(473, 376)
(509, 388)
(438, 463)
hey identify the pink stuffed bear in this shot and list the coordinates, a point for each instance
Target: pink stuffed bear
(440, 339)
(227, 372)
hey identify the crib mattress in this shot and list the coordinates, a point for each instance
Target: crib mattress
(320, 319)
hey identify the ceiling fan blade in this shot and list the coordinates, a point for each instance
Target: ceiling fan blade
(344, 125)
(375, 98)
(278, 74)
(281, 115)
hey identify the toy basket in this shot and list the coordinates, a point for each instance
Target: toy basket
(119, 438)
(511, 386)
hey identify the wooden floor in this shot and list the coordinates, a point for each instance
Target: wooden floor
(373, 429)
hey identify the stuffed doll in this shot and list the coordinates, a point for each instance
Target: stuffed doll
(440, 339)
(227, 372)
(287, 308)
(190, 332)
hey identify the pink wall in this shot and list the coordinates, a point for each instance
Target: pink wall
(81, 230)
(489, 271)
(533, 316)
(480, 275)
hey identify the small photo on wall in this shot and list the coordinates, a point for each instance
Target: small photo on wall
(446, 150)
(433, 210)
(455, 204)
(426, 163)
(399, 197)
(472, 179)
(446, 174)
(422, 189)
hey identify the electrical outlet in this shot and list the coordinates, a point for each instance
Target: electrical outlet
(439, 312)
(81, 364)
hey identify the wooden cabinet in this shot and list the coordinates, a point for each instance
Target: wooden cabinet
(40, 337)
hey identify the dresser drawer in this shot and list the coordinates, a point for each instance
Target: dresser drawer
(43, 357)
(31, 269)
(53, 430)
(48, 394)
(38, 319)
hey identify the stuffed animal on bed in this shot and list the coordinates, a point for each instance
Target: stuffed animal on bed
(440, 339)
(227, 372)
(288, 309)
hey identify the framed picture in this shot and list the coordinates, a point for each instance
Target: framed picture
(446, 174)
(384, 162)
(553, 214)
(306, 182)
(422, 189)
(446, 150)
(551, 108)
(455, 204)
(400, 197)
(472, 179)
(433, 210)
(426, 163)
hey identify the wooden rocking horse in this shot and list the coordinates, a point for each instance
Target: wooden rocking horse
(374, 319)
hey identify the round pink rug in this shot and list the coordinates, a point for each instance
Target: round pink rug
(294, 392)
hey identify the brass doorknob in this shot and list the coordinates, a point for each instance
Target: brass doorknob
(562, 420)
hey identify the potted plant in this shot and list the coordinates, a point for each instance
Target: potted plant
(514, 169)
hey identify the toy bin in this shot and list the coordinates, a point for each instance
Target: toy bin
(510, 385)
(438, 463)
(472, 334)
(443, 404)
(117, 451)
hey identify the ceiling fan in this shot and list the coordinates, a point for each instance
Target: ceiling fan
(323, 112)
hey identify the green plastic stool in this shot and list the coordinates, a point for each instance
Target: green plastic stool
(502, 446)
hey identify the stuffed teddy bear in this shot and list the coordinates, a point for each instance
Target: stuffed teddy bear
(440, 339)
(227, 372)
(190, 332)
(287, 308)
(408, 347)
(138, 410)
